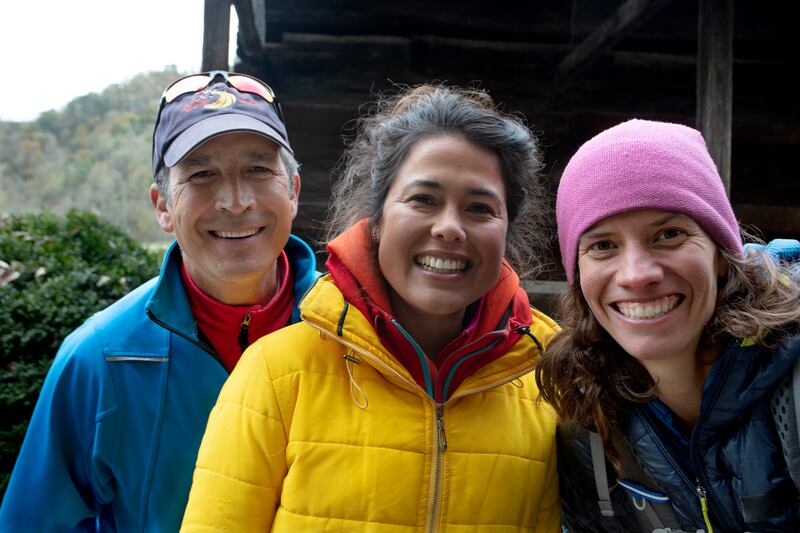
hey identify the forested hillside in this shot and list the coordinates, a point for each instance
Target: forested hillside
(92, 155)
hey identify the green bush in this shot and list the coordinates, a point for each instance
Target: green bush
(55, 272)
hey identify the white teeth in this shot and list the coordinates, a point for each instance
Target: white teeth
(235, 235)
(437, 264)
(648, 310)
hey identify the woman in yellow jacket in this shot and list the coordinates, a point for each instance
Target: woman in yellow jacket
(405, 400)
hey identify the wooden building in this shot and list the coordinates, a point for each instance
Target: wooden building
(573, 68)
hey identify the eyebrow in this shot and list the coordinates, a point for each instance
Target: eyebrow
(195, 160)
(475, 191)
(594, 234)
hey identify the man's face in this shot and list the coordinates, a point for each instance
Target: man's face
(231, 207)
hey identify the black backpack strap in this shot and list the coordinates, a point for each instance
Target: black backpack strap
(654, 512)
(785, 407)
(600, 475)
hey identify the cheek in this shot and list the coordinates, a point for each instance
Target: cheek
(389, 263)
(491, 241)
(591, 287)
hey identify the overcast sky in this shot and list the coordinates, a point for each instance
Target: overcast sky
(52, 51)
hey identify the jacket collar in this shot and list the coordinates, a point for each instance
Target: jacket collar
(743, 374)
(326, 308)
(169, 305)
(490, 334)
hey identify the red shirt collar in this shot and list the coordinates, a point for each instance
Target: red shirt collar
(223, 324)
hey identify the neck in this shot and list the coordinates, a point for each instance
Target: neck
(432, 333)
(237, 292)
(679, 384)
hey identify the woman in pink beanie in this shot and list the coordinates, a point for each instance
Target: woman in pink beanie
(675, 349)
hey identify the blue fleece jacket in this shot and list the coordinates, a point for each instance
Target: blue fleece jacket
(114, 436)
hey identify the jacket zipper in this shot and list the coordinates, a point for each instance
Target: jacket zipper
(439, 447)
(701, 493)
(440, 444)
(495, 384)
(413, 387)
(694, 450)
(202, 346)
(698, 489)
(243, 338)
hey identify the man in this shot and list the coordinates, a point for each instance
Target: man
(113, 439)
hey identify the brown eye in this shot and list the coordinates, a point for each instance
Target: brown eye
(670, 233)
(422, 199)
(601, 246)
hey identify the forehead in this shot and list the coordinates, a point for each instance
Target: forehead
(450, 161)
(639, 220)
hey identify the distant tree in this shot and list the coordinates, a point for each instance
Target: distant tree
(93, 155)
(55, 271)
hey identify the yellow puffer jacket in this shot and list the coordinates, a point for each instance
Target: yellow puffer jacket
(319, 428)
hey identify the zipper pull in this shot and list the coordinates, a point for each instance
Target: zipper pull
(701, 493)
(243, 339)
(440, 425)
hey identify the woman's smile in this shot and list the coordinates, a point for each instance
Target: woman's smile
(648, 310)
(443, 228)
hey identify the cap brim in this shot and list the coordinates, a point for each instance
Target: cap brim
(211, 127)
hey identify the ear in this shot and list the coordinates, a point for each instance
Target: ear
(375, 233)
(163, 211)
(294, 194)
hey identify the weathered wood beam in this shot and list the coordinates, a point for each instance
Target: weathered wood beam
(252, 27)
(715, 81)
(783, 221)
(612, 30)
(544, 294)
(216, 34)
(544, 20)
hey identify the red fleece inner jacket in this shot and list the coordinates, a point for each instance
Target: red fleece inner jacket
(495, 327)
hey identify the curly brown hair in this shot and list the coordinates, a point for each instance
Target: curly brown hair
(590, 380)
(385, 136)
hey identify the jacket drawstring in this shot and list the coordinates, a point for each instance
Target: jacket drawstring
(526, 330)
(355, 388)
(349, 361)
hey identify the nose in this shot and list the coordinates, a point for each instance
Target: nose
(448, 225)
(234, 195)
(638, 268)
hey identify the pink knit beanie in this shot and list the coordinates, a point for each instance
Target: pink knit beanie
(641, 164)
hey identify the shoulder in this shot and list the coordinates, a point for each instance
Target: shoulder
(132, 303)
(101, 334)
(295, 348)
(124, 319)
(301, 257)
(543, 327)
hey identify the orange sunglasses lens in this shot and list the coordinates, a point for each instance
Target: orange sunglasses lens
(194, 83)
(249, 85)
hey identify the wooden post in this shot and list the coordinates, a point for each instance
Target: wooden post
(252, 28)
(715, 81)
(216, 34)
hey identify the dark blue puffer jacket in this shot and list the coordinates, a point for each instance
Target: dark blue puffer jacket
(734, 453)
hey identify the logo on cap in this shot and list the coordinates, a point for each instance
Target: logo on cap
(225, 100)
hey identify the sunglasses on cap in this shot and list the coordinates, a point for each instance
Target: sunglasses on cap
(240, 82)
(266, 110)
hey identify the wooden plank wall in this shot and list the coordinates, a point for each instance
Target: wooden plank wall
(327, 59)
